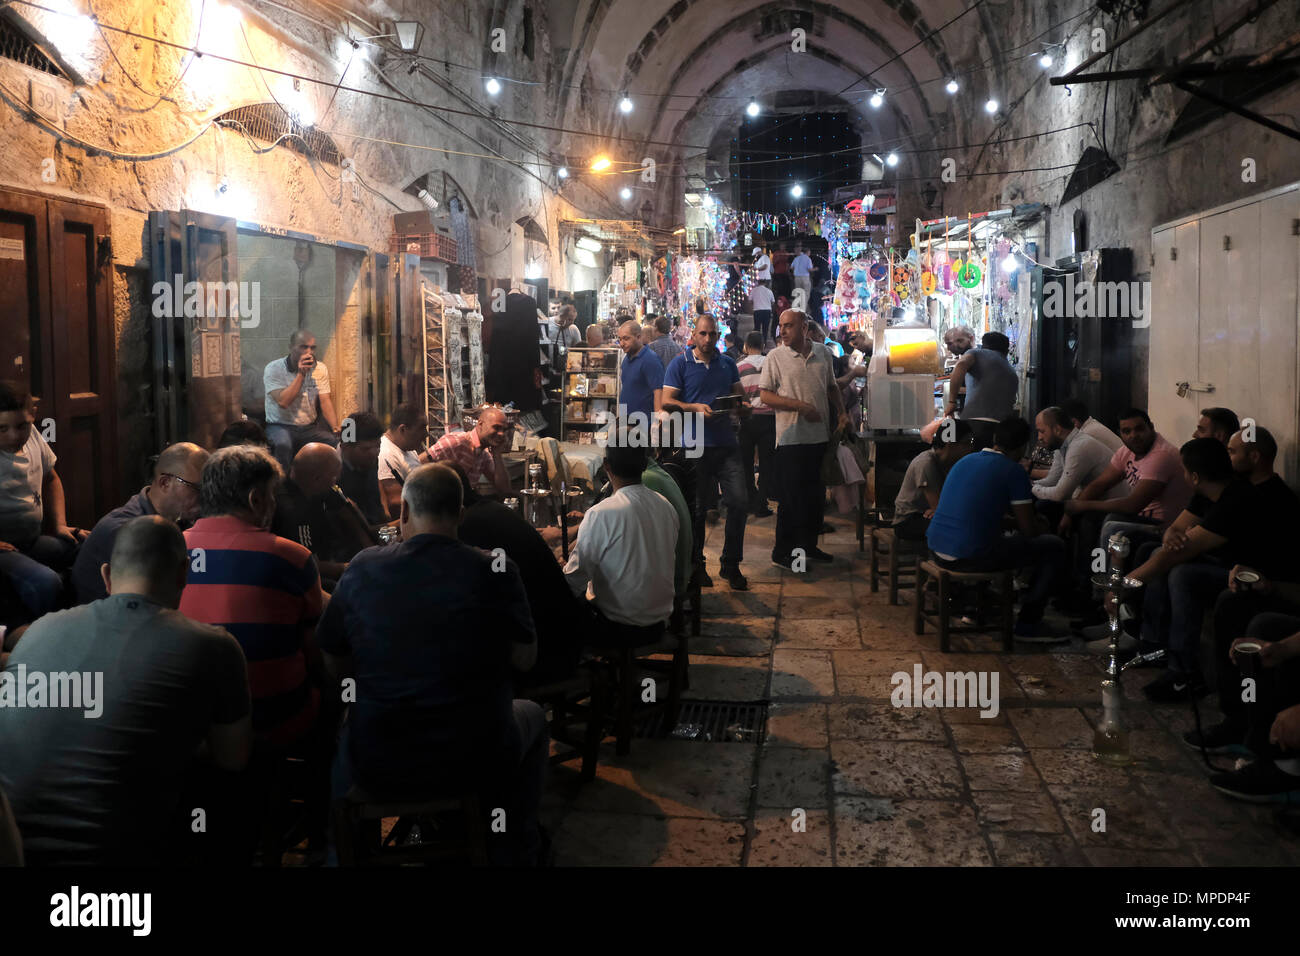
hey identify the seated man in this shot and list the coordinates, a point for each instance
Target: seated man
(488, 525)
(294, 385)
(965, 533)
(479, 451)
(359, 478)
(36, 544)
(1271, 720)
(105, 791)
(1078, 459)
(1237, 523)
(1077, 412)
(1153, 471)
(243, 432)
(431, 628)
(400, 451)
(1217, 423)
(173, 493)
(263, 589)
(625, 556)
(919, 494)
(661, 482)
(308, 510)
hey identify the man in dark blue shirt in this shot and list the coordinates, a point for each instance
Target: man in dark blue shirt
(431, 628)
(965, 533)
(641, 377)
(693, 381)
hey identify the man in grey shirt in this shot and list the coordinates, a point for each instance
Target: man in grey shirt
(662, 343)
(798, 381)
(992, 386)
(99, 782)
(1077, 458)
(919, 494)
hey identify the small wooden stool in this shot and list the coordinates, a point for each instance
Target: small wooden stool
(946, 583)
(357, 819)
(629, 664)
(884, 542)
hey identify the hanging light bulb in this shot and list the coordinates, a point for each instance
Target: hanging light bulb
(1045, 61)
(752, 109)
(796, 190)
(600, 164)
(493, 86)
(892, 159)
(708, 200)
(877, 98)
(625, 104)
(991, 106)
(562, 172)
(952, 86)
(625, 193)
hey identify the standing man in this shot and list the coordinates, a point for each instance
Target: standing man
(692, 382)
(400, 452)
(294, 385)
(173, 493)
(480, 450)
(762, 298)
(802, 268)
(798, 380)
(991, 387)
(641, 380)
(762, 265)
(757, 429)
(663, 344)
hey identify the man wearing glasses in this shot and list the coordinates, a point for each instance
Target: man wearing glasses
(693, 382)
(173, 493)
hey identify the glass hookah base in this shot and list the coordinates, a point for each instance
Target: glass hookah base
(1112, 747)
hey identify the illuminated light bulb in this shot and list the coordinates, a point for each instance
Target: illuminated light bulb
(752, 109)
(493, 86)
(625, 105)
(877, 98)
(562, 172)
(600, 164)
(892, 159)
(1009, 263)
(1045, 61)
(952, 86)
(991, 106)
(708, 200)
(625, 193)
(796, 191)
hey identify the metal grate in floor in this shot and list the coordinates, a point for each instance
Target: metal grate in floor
(713, 721)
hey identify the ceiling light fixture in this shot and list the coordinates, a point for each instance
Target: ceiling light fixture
(625, 104)
(991, 106)
(493, 86)
(589, 244)
(877, 99)
(562, 172)
(892, 159)
(1045, 61)
(952, 86)
(796, 190)
(600, 164)
(625, 193)
(752, 109)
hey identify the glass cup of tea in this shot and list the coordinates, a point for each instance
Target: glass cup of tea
(1247, 654)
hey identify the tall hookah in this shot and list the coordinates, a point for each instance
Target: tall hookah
(1110, 741)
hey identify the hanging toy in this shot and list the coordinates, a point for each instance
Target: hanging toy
(879, 271)
(968, 277)
(928, 283)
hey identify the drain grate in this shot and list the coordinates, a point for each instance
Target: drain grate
(713, 721)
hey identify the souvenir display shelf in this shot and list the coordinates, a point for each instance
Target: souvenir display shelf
(589, 397)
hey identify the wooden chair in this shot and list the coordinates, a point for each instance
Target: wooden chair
(944, 583)
(627, 665)
(582, 700)
(453, 829)
(901, 557)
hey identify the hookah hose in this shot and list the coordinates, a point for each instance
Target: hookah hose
(1200, 735)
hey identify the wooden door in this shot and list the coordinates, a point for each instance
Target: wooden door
(59, 340)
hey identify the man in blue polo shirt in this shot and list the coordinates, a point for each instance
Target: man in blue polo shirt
(965, 533)
(693, 381)
(641, 377)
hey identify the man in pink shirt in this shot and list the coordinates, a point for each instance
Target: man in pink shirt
(479, 451)
(1153, 471)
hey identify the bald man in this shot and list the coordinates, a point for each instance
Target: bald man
(295, 385)
(642, 377)
(303, 512)
(595, 336)
(165, 685)
(173, 493)
(480, 450)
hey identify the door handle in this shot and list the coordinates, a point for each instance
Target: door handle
(1185, 387)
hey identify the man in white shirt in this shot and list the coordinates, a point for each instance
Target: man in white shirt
(1077, 458)
(401, 451)
(294, 385)
(1077, 413)
(762, 265)
(623, 562)
(762, 297)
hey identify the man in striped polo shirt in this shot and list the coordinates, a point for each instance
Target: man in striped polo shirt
(263, 589)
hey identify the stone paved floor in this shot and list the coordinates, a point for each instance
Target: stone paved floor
(882, 785)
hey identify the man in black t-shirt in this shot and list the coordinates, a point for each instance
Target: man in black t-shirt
(1186, 574)
(359, 477)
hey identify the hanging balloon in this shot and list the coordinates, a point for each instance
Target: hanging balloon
(879, 270)
(928, 283)
(969, 276)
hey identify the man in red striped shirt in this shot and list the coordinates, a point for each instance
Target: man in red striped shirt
(478, 451)
(263, 589)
